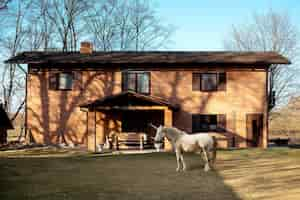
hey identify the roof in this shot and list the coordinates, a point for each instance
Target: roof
(129, 98)
(4, 120)
(150, 57)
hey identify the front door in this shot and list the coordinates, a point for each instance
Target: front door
(254, 129)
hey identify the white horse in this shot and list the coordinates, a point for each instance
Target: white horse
(183, 142)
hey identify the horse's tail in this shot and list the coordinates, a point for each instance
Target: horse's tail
(214, 149)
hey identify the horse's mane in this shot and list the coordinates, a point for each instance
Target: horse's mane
(173, 132)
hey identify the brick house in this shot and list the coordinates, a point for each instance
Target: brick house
(86, 97)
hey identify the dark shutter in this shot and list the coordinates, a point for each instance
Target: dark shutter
(196, 82)
(221, 122)
(124, 81)
(222, 81)
(53, 81)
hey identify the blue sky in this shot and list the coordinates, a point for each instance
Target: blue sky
(203, 24)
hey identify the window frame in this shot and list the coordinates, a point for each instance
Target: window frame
(54, 80)
(220, 125)
(221, 81)
(136, 87)
(215, 88)
(67, 75)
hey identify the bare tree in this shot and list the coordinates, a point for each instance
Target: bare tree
(100, 22)
(149, 33)
(270, 32)
(127, 25)
(13, 76)
(66, 17)
(3, 4)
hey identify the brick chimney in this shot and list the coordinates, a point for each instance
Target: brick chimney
(86, 47)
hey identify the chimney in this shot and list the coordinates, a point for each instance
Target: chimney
(86, 47)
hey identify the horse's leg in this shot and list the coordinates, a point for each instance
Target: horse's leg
(211, 157)
(183, 163)
(178, 155)
(206, 168)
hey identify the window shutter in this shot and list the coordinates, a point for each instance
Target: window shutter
(196, 82)
(222, 81)
(221, 122)
(53, 81)
(124, 81)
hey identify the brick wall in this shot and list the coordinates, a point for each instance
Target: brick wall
(54, 116)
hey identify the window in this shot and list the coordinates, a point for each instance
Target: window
(207, 123)
(65, 81)
(209, 81)
(136, 81)
(61, 81)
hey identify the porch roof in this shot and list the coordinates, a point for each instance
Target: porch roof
(129, 99)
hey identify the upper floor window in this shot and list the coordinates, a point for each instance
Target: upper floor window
(209, 81)
(65, 81)
(136, 81)
(208, 122)
(61, 81)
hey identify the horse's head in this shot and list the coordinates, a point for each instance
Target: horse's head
(159, 135)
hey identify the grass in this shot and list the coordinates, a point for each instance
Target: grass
(240, 174)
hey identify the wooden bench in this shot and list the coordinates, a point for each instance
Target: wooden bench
(130, 140)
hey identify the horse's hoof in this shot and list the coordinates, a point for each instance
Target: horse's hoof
(184, 169)
(206, 168)
(177, 170)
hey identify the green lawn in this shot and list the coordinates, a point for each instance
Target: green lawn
(240, 174)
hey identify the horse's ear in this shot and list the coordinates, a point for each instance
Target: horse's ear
(151, 125)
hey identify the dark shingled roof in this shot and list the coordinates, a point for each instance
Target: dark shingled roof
(129, 98)
(151, 57)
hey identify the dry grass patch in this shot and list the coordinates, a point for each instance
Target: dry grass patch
(262, 174)
(241, 174)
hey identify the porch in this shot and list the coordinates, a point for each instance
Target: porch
(123, 120)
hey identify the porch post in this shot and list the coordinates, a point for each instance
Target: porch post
(168, 121)
(91, 130)
(100, 133)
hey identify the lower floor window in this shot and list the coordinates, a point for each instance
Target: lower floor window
(208, 122)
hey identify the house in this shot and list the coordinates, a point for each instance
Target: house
(84, 97)
(5, 124)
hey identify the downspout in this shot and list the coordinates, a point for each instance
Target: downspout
(267, 102)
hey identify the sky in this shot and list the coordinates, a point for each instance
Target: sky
(204, 24)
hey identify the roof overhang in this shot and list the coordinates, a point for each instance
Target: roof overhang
(129, 101)
(150, 58)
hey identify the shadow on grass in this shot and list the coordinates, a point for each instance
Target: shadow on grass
(147, 176)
